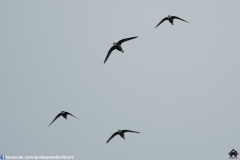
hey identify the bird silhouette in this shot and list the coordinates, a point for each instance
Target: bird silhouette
(64, 114)
(121, 133)
(170, 19)
(118, 46)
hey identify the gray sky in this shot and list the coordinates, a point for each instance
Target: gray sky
(177, 85)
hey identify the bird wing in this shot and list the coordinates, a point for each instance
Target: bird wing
(126, 39)
(123, 131)
(112, 136)
(174, 17)
(72, 115)
(164, 19)
(55, 118)
(109, 52)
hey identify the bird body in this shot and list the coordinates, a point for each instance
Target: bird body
(170, 19)
(121, 134)
(63, 113)
(64, 116)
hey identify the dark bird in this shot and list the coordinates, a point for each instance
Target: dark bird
(121, 133)
(117, 46)
(64, 114)
(170, 19)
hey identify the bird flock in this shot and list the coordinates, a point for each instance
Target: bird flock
(119, 48)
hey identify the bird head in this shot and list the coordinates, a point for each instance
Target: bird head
(169, 16)
(62, 112)
(114, 43)
(119, 131)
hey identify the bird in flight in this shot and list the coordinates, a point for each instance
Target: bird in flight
(170, 19)
(121, 133)
(64, 114)
(118, 46)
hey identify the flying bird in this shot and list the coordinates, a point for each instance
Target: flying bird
(64, 114)
(118, 46)
(170, 19)
(121, 133)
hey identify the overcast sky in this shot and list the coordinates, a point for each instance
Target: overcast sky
(179, 85)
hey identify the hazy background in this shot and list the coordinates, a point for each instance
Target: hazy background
(177, 85)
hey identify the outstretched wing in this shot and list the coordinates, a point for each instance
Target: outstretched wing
(55, 118)
(109, 52)
(71, 115)
(126, 39)
(112, 136)
(129, 131)
(164, 19)
(174, 17)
